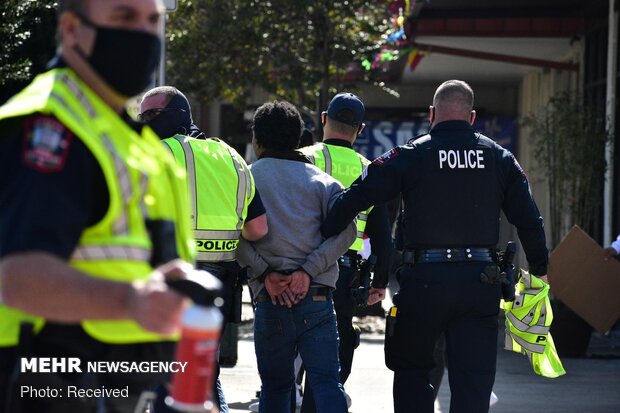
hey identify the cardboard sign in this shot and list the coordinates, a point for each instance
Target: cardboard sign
(584, 281)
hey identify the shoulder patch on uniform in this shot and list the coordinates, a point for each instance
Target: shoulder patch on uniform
(386, 157)
(46, 143)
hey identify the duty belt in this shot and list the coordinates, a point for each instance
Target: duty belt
(215, 269)
(348, 261)
(448, 255)
(316, 291)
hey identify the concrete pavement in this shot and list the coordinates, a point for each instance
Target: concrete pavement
(591, 385)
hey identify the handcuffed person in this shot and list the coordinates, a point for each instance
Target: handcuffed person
(294, 268)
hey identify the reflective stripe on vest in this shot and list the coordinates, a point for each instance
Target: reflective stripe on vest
(111, 252)
(142, 181)
(345, 165)
(216, 172)
(528, 319)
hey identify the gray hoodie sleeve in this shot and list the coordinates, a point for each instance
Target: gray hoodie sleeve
(247, 256)
(326, 255)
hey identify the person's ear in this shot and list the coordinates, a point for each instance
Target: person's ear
(67, 27)
(323, 117)
(431, 114)
(257, 149)
(472, 117)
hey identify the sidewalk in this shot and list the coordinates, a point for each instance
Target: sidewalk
(591, 385)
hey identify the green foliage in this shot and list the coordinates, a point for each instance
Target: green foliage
(28, 40)
(570, 138)
(292, 49)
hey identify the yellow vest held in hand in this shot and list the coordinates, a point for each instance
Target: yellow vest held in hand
(528, 319)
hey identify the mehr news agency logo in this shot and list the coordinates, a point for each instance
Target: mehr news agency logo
(42, 365)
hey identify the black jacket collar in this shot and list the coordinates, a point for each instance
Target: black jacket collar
(338, 142)
(452, 125)
(287, 154)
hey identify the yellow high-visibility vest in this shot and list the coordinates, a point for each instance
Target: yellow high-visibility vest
(143, 183)
(221, 188)
(345, 165)
(528, 319)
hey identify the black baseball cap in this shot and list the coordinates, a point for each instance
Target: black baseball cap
(346, 108)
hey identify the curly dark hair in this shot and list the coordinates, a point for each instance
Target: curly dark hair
(277, 125)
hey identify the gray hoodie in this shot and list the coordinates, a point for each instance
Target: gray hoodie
(297, 197)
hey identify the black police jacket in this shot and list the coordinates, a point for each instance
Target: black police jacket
(454, 182)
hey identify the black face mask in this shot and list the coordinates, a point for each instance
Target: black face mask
(169, 123)
(175, 118)
(125, 59)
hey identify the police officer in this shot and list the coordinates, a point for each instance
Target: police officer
(224, 202)
(454, 182)
(85, 216)
(342, 122)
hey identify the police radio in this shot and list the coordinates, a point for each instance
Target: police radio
(501, 272)
(507, 269)
(360, 294)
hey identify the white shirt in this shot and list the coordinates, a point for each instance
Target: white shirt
(616, 244)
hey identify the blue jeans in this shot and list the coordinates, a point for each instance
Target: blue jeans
(344, 306)
(310, 328)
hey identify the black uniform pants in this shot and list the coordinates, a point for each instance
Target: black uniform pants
(449, 298)
(344, 307)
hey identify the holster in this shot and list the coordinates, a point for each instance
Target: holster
(395, 341)
(502, 272)
(361, 280)
(508, 283)
(390, 321)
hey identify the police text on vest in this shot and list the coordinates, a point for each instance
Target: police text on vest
(461, 159)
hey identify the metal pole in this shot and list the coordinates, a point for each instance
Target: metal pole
(318, 130)
(161, 78)
(610, 119)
